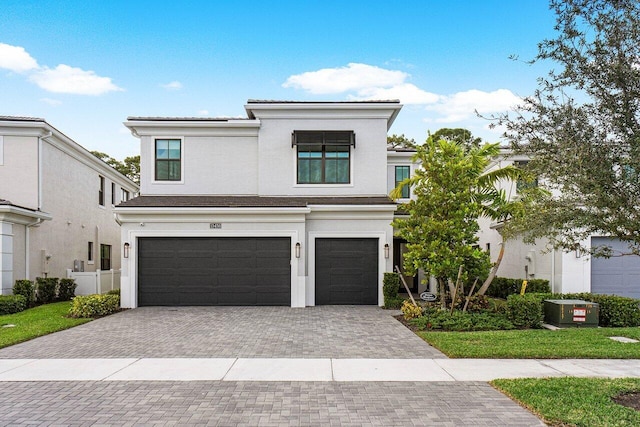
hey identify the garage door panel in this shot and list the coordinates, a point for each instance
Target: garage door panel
(618, 275)
(214, 271)
(346, 271)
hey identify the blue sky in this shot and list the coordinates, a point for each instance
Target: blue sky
(85, 66)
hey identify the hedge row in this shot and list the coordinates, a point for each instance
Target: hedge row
(10, 304)
(614, 311)
(502, 287)
(45, 290)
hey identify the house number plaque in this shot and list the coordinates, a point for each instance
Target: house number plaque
(215, 225)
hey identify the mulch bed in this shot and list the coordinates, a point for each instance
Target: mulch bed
(630, 400)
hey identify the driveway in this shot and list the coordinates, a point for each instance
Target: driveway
(313, 332)
(367, 334)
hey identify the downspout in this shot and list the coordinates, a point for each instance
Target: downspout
(36, 223)
(40, 138)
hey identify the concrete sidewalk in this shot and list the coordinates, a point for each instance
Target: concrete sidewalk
(316, 369)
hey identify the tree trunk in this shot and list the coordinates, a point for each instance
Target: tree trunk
(493, 272)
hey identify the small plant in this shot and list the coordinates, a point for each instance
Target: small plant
(390, 285)
(46, 289)
(25, 288)
(10, 304)
(94, 305)
(410, 311)
(66, 289)
(114, 292)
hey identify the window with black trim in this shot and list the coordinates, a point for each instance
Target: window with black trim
(402, 173)
(124, 196)
(168, 158)
(323, 157)
(105, 257)
(113, 193)
(90, 251)
(101, 192)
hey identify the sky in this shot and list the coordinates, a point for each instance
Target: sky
(85, 66)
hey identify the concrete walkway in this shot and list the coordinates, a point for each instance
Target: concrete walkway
(307, 369)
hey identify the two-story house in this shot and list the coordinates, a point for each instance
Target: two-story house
(567, 272)
(285, 207)
(56, 204)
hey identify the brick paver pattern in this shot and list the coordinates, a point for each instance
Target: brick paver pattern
(216, 403)
(312, 332)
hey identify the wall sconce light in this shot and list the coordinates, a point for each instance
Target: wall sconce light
(298, 250)
(386, 250)
(126, 250)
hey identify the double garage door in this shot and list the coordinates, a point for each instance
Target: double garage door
(179, 271)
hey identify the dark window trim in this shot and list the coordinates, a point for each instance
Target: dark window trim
(156, 160)
(89, 251)
(325, 133)
(323, 159)
(101, 191)
(113, 193)
(105, 262)
(406, 190)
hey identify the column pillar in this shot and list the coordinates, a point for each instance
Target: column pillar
(6, 258)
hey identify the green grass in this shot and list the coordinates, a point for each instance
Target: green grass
(35, 322)
(574, 401)
(583, 343)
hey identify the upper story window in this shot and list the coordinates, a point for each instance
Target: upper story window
(168, 159)
(323, 157)
(101, 192)
(124, 196)
(402, 173)
(113, 193)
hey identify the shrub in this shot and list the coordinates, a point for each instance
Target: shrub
(114, 292)
(46, 289)
(502, 287)
(477, 303)
(27, 290)
(10, 304)
(524, 311)
(94, 305)
(434, 319)
(390, 285)
(410, 311)
(66, 289)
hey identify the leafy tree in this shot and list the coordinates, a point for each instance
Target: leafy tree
(452, 190)
(130, 167)
(460, 135)
(581, 127)
(400, 141)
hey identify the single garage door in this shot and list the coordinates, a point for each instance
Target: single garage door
(347, 271)
(618, 275)
(214, 271)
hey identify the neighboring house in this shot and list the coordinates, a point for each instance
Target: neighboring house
(285, 207)
(56, 204)
(567, 272)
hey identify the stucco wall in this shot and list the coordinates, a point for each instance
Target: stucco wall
(19, 171)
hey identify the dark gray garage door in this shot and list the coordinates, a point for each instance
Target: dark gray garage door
(214, 271)
(347, 271)
(618, 275)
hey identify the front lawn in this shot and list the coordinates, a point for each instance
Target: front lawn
(574, 401)
(35, 322)
(573, 343)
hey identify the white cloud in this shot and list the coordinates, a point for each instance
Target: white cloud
(407, 93)
(66, 79)
(50, 101)
(353, 77)
(16, 59)
(174, 85)
(203, 112)
(462, 105)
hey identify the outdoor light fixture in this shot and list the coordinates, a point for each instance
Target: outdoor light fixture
(386, 250)
(126, 250)
(298, 250)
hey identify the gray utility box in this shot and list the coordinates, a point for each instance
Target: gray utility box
(571, 313)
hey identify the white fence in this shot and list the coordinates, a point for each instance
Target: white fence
(98, 282)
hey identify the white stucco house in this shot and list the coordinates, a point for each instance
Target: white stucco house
(285, 207)
(56, 204)
(567, 272)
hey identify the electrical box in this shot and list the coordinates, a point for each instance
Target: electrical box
(567, 313)
(78, 265)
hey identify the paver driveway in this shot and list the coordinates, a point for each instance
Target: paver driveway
(325, 331)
